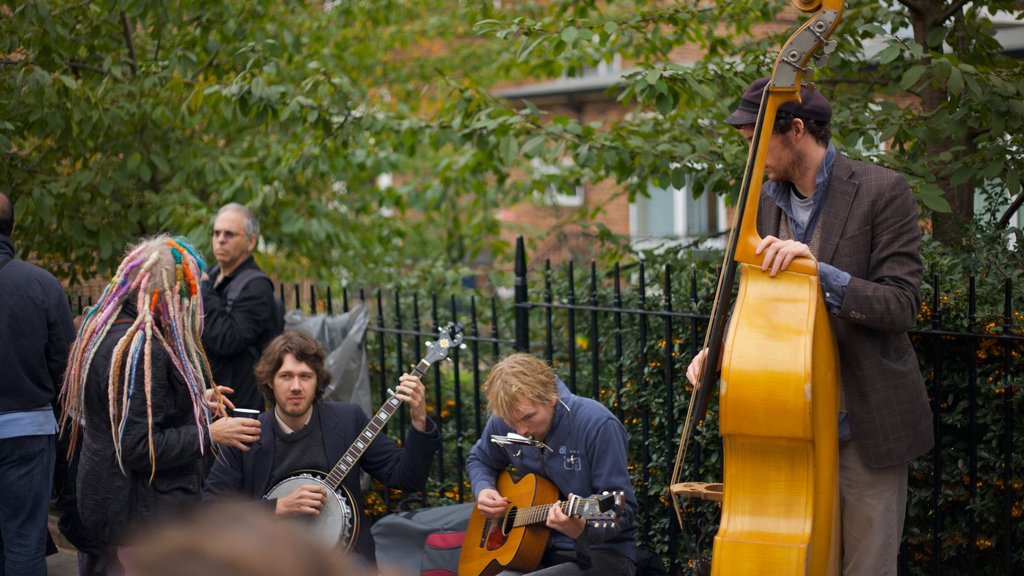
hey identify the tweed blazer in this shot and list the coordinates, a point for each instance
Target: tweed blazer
(869, 230)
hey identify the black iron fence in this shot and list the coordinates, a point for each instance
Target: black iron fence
(625, 338)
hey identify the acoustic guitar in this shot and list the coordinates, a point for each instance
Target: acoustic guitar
(338, 524)
(516, 541)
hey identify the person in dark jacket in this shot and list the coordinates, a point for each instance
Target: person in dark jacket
(138, 394)
(302, 432)
(242, 315)
(35, 334)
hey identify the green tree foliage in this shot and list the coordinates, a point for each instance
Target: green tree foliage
(128, 118)
(123, 118)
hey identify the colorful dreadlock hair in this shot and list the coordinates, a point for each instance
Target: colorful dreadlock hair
(162, 275)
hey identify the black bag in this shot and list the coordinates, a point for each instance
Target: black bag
(425, 541)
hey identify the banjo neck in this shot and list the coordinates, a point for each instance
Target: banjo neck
(351, 457)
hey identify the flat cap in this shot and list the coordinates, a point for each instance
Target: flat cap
(813, 106)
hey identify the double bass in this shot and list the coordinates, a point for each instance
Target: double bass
(779, 381)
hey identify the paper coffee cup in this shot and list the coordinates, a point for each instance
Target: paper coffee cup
(245, 413)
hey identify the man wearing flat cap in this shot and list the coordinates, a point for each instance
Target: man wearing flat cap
(859, 221)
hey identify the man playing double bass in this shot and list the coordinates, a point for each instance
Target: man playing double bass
(859, 222)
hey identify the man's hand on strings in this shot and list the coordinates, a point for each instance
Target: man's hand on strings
(558, 520)
(490, 503)
(307, 499)
(779, 254)
(411, 391)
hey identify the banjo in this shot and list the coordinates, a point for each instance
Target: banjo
(338, 523)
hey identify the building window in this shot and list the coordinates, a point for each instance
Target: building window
(569, 196)
(673, 215)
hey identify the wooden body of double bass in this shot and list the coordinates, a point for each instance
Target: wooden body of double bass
(778, 421)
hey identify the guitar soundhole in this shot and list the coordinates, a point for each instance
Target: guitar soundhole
(497, 531)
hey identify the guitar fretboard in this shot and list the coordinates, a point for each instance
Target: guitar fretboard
(355, 451)
(535, 514)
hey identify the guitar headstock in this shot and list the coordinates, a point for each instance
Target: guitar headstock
(603, 509)
(450, 336)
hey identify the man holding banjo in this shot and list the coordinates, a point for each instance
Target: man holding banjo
(303, 434)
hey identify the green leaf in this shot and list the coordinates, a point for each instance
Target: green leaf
(992, 169)
(1013, 182)
(889, 53)
(160, 163)
(937, 36)
(930, 195)
(664, 103)
(68, 81)
(874, 29)
(911, 76)
(570, 34)
(679, 178)
(509, 150)
(961, 175)
(533, 146)
(955, 85)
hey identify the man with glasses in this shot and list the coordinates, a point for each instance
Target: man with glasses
(242, 315)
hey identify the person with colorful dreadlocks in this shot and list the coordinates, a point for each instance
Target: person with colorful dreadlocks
(140, 397)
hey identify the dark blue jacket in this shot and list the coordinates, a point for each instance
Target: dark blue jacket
(248, 473)
(35, 333)
(588, 457)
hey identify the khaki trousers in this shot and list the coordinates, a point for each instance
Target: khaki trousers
(873, 503)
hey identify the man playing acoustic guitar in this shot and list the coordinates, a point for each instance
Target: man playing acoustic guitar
(539, 427)
(301, 432)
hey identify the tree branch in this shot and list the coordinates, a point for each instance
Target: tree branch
(917, 6)
(76, 65)
(1010, 211)
(953, 9)
(126, 29)
(207, 64)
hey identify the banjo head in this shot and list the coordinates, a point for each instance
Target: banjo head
(337, 523)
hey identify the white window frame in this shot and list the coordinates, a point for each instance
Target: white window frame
(555, 195)
(680, 197)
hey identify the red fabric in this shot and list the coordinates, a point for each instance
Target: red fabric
(445, 541)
